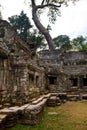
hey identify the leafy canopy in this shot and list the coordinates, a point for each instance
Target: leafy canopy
(79, 43)
(22, 23)
(23, 26)
(63, 42)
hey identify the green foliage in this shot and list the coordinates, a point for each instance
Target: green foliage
(53, 13)
(79, 43)
(22, 23)
(37, 39)
(63, 42)
(23, 26)
(84, 47)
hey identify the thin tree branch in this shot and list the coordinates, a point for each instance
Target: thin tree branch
(47, 1)
(42, 2)
(47, 5)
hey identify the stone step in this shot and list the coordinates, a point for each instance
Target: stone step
(27, 113)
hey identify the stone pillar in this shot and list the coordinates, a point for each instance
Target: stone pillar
(24, 80)
(43, 81)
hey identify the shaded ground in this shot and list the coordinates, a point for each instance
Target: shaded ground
(68, 116)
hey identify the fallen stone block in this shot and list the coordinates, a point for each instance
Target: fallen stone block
(52, 101)
(62, 97)
(73, 97)
(11, 116)
(33, 113)
(83, 96)
(2, 121)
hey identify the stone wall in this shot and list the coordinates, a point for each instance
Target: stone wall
(69, 68)
(21, 79)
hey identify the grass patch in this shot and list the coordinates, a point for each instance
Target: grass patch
(69, 116)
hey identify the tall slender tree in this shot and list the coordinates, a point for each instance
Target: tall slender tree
(53, 11)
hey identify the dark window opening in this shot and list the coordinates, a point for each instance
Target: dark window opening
(31, 77)
(37, 79)
(84, 81)
(52, 80)
(74, 81)
(65, 63)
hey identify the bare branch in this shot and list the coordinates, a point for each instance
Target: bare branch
(53, 12)
(47, 1)
(48, 5)
(42, 2)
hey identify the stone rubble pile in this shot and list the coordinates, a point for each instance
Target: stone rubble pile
(56, 99)
(31, 113)
(26, 114)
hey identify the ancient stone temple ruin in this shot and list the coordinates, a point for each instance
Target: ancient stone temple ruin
(28, 84)
(65, 71)
(19, 75)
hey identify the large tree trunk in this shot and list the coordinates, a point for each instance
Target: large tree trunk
(41, 28)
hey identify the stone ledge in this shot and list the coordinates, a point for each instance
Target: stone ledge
(25, 114)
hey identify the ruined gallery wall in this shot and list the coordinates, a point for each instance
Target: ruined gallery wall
(19, 82)
(69, 69)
